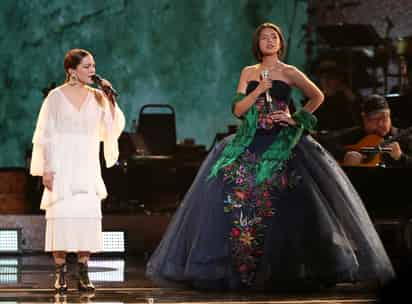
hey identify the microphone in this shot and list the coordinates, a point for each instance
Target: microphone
(107, 89)
(265, 75)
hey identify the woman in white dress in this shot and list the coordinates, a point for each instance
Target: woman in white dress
(73, 119)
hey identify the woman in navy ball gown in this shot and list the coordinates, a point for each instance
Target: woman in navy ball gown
(270, 208)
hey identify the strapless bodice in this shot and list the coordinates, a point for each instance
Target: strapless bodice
(280, 90)
(280, 93)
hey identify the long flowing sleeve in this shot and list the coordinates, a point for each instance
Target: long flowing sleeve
(111, 131)
(42, 159)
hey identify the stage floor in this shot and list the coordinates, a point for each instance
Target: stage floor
(28, 279)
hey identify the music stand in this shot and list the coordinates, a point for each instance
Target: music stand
(349, 35)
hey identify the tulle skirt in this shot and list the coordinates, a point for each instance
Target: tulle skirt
(311, 226)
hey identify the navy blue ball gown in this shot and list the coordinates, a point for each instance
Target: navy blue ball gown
(306, 224)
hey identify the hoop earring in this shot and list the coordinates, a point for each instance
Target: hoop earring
(73, 80)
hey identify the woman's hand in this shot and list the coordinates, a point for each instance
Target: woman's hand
(264, 85)
(106, 83)
(48, 180)
(282, 118)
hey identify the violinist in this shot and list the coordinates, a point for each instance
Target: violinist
(376, 136)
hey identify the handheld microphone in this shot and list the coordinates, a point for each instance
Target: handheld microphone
(265, 75)
(107, 89)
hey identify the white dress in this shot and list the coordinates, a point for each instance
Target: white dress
(67, 141)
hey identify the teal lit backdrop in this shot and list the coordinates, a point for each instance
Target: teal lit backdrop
(187, 53)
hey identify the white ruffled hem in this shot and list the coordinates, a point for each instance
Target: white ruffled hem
(73, 235)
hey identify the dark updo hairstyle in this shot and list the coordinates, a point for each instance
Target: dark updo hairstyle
(255, 44)
(71, 60)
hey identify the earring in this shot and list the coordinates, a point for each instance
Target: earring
(73, 80)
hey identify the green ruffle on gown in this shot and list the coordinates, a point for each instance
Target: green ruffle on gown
(273, 159)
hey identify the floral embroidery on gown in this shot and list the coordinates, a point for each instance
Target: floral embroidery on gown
(305, 223)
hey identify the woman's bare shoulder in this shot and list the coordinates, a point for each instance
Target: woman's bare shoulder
(292, 73)
(250, 68)
(248, 72)
(289, 69)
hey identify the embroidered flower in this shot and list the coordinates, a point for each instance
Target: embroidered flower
(248, 205)
(240, 195)
(228, 199)
(235, 232)
(239, 180)
(246, 238)
(243, 268)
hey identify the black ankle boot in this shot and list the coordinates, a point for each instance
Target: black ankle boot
(60, 283)
(84, 281)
